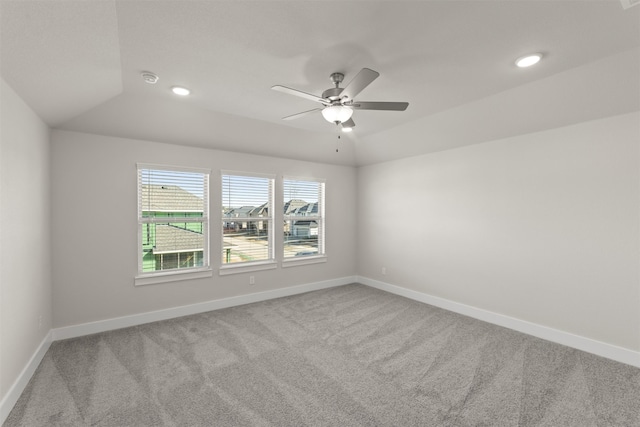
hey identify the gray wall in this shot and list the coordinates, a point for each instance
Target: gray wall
(94, 227)
(542, 227)
(25, 244)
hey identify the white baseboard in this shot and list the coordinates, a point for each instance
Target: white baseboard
(599, 348)
(609, 351)
(170, 313)
(12, 396)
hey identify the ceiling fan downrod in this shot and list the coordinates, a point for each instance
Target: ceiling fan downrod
(337, 78)
(333, 94)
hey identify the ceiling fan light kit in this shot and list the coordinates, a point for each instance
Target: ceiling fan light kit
(338, 103)
(337, 113)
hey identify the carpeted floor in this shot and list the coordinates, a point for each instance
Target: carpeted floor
(346, 356)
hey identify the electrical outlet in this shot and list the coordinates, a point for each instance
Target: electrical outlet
(252, 280)
(384, 271)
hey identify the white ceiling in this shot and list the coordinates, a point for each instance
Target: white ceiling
(78, 65)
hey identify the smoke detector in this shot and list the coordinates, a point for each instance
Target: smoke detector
(149, 77)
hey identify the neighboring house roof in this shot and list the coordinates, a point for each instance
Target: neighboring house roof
(173, 239)
(308, 209)
(312, 223)
(292, 205)
(239, 212)
(169, 198)
(247, 212)
(260, 210)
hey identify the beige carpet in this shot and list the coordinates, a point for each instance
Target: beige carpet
(347, 356)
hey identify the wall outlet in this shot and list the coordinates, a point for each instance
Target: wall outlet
(384, 270)
(252, 280)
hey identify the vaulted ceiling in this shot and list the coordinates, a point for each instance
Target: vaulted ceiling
(78, 65)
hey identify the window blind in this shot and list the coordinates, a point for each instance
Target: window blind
(173, 219)
(304, 227)
(247, 218)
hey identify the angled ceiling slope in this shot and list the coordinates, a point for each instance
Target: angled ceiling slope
(78, 65)
(62, 57)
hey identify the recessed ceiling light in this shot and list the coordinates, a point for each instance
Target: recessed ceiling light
(182, 91)
(529, 60)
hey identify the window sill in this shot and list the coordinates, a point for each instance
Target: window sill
(294, 262)
(247, 268)
(172, 276)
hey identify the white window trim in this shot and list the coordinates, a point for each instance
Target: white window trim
(311, 259)
(250, 266)
(248, 174)
(174, 275)
(321, 219)
(247, 267)
(173, 168)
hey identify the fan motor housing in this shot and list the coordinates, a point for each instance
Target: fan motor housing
(333, 93)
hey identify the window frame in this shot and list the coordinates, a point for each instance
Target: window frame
(250, 266)
(174, 274)
(320, 218)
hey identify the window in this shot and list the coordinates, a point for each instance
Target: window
(173, 222)
(247, 220)
(303, 218)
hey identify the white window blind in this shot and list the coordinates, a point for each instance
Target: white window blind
(304, 227)
(247, 218)
(173, 220)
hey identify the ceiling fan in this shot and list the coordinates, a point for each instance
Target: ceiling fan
(338, 103)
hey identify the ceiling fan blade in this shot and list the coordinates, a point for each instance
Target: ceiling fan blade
(389, 106)
(298, 115)
(348, 124)
(299, 93)
(359, 82)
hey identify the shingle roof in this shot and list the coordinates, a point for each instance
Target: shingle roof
(308, 209)
(174, 239)
(169, 198)
(263, 209)
(239, 212)
(311, 223)
(292, 205)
